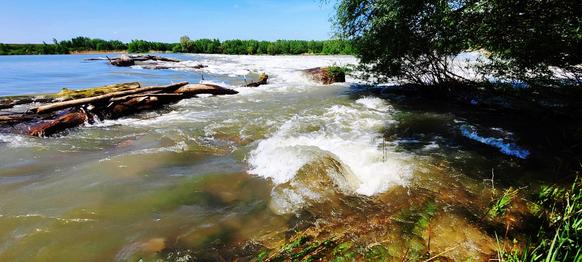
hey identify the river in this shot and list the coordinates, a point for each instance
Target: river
(231, 176)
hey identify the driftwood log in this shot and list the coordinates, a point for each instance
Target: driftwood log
(127, 60)
(76, 102)
(69, 94)
(15, 118)
(51, 118)
(197, 89)
(149, 62)
(10, 103)
(50, 127)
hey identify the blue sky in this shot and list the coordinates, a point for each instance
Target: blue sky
(34, 21)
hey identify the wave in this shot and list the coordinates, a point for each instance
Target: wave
(504, 144)
(349, 133)
(14, 141)
(281, 69)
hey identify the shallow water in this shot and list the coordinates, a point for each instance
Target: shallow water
(240, 174)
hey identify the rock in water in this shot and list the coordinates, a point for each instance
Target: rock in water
(262, 81)
(318, 181)
(327, 75)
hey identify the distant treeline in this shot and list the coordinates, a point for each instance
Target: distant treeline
(77, 44)
(254, 47)
(186, 45)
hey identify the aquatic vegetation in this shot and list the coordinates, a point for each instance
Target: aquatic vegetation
(303, 248)
(67, 94)
(337, 73)
(499, 206)
(180, 186)
(559, 236)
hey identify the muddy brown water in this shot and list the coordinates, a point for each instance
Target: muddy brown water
(216, 178)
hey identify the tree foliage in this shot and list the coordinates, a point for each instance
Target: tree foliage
(76, 44)
(527, 38)
(186, 45)
(142, 46)
(417, 39)
(254, 47)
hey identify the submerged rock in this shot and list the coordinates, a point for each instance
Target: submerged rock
(317, 181)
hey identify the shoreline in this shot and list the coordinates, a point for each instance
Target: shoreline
(165, 52)
(96, 52)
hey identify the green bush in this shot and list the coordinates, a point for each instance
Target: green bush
(414, 40)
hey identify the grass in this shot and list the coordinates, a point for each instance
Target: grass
(499, 207)
(559, 238)
(337, 72)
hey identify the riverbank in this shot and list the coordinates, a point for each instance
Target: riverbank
(93, 52)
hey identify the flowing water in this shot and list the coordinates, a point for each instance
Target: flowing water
(230, 176)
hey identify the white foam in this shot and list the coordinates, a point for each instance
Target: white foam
(14, 141)
(351, 133)
(177, 148)
(374, 103)
(281, 69)
(503, 144)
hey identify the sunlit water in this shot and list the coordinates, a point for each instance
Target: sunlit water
(215, 173)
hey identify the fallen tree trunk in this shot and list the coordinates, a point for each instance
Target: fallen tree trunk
(11, 102)
(50, 127)
(96, 59)
(127, 60)
(197, 89)
(123, 61)
(69, 94)
(77, 102)
(124, 98)
(154, 58)
(138, 104)
(15, 118)
(48, 119)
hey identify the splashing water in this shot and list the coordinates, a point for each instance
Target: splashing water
(502, 144)
(349, 132)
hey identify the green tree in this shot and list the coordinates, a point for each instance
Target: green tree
(526, 38)
(410, 39)
(187, 44)
(416, 40)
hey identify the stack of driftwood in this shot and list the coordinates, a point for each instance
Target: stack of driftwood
(50, 114)
(129, 60)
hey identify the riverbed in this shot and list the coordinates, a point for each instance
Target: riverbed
(219, 177)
